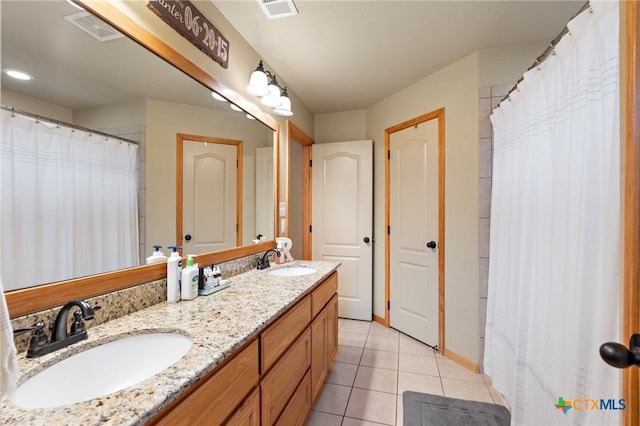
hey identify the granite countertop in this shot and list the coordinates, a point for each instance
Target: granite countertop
(219, 325)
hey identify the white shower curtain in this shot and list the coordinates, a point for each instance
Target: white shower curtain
(554, 275)
(68, 202)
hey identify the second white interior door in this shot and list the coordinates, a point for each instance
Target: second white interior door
(342, 220)
(414, 226)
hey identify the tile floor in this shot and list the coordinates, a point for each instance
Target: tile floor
(375, 365)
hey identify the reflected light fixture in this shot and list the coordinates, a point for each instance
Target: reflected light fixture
(17, 74)
(235, 107)
(217, 97)
(264, 84)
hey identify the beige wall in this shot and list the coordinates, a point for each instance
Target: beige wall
(341, 126)
(36, 106)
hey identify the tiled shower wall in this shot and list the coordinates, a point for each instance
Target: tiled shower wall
(489, 97)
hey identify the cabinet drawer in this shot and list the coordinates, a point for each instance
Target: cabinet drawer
(278, 386)
(295, 413)
(279, 336)
(219, 395)
(321, 295)
(249, 413)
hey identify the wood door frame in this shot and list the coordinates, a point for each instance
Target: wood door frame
(180, 138)
(433, 115)
(295, 134)
(630, 17)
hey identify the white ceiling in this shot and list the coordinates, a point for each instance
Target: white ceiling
(348, 55)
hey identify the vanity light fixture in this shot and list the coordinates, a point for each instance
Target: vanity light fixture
(264, 84)
(17, 74)
(250, 117)
(235, 107)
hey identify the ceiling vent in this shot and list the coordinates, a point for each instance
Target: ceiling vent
(94, 26)
(278, 8)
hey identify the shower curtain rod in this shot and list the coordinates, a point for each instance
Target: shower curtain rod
(69, 125)
(548, 51)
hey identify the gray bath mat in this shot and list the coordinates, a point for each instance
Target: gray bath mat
(421, 409)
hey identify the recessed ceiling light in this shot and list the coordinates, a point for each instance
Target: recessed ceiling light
(235, 107)
(17, 74)
(217, 97)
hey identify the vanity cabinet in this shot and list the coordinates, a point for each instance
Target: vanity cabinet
(217, 397)
(274, 379)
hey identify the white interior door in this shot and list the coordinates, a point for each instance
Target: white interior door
(342, 216)
(414, 224)
(264, 192)
(209, 197)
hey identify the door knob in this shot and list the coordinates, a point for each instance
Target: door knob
(366, 240)
(187, 237)
(619, 356)
(431, 244)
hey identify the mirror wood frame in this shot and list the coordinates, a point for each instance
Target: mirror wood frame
(22, 302)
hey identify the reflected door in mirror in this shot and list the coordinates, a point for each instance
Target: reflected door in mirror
(210, 197)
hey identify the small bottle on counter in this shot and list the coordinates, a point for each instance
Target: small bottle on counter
(190, 277)
(217, 276)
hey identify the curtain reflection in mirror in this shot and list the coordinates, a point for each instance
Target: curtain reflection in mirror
(68, 202)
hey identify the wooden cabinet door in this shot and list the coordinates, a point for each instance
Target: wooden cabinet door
(281, 381)
(332, 329)
(249, 413)
(319, 362)
(295, 413)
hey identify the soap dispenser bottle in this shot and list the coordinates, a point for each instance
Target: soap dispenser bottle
(156, 256)
(174, 275)
(190, 277)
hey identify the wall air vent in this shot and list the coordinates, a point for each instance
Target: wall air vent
(278, 8)
(93, 26)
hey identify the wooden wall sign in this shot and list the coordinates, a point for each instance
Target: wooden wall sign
(183, 16)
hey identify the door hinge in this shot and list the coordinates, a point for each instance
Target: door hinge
(388, 154)
(237, 227)
(310, 229)
(310, 163)
(389, 230)
(388, 305)
(237, 163)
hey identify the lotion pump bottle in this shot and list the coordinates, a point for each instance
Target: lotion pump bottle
(174, 273)
(157, 256)
(190, 277)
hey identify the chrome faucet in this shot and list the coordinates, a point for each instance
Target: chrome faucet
(263, 261)
(60, 338)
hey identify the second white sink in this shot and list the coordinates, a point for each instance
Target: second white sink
(292, 271)
(101, 370)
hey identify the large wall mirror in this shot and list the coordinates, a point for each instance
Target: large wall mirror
(116, 86)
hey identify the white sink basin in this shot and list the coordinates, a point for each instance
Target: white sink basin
(101, 370)
(292, 271)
